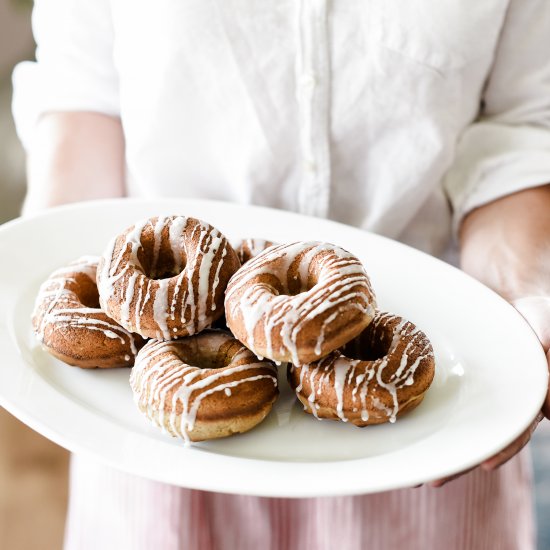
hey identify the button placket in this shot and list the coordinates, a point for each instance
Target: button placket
(312, 92)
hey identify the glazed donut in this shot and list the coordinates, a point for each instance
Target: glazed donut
(203, 387)
(165, 277)
(298, 302)
(247, 249)
(70, 325)
(393, 366)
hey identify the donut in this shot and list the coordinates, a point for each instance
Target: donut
(247, 249)
(70, 325)
(203, 387)
(165, 277)
(381, 374)
(298, 302)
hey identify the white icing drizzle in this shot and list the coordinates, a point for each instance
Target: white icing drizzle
(321, 338)
(338, 375)
(58, 308)
(174, 306)
(162, 382)
(125, 307)
(341, 285)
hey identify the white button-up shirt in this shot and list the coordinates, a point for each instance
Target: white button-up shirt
(386, 115)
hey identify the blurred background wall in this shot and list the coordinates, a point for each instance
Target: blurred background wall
(33, 471)
(15, 44)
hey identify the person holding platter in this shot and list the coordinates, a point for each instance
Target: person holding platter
(426, 122)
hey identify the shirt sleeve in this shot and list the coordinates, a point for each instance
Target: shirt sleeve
(74, 68)
(508, 148)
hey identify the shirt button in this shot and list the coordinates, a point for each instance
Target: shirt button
(309, 166)
(308, 82)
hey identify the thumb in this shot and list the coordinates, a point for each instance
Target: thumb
(536, 311)
(546, 404)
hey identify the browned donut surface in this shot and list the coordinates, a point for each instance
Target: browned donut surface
(392, 367)
(68, 322)
(298, 302)
(165, 277)
(247, 249)
(204, 386)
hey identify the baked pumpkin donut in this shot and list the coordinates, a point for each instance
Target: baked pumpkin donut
(298, 302)
(392, 367)
(165, 277)
(70, 325)
(204, 386)
(247, 249)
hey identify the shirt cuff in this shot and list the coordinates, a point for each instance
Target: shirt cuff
(494, 160)
(38, 90)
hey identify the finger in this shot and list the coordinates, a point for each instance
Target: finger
(442, 481)
(500, 458)
(546, 406)
(513, 449)
(536, 311)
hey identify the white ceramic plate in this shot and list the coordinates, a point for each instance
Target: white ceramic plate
(490, 378)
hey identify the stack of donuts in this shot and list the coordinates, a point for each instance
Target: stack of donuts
(151, 302)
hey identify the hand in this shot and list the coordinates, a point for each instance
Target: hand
(506, 244)
(536, 311)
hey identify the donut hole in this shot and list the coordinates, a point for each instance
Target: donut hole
(298, 282)
(202, 358)
(204, 361)
(272, 283)
(211, 349)
(366, 347)
(161, 264)
(294, 279)
(86, 292)
(166, 273)
(318, 272)
(295, 285)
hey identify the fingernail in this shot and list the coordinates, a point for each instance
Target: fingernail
(437, 484)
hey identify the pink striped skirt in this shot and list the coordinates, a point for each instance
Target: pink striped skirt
(112, 510)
